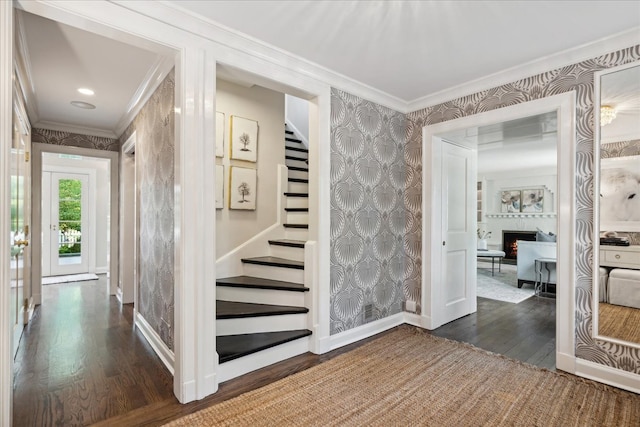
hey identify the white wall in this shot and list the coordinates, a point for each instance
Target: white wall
(234, 227)
(101, 167)
(297, 115)
(494, 183)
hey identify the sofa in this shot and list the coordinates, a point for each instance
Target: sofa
(528, 252)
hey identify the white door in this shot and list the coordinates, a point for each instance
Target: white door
(458, 254)
(65, 223)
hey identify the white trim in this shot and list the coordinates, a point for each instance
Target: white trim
(418, 320)
(102, 270)
(608, 375)
(6, 130)
(22, 63)
(541, 65)
(164, 353)
(365, 331)
(155, 76)
(129, 146)
(564, 104)
(82, 130)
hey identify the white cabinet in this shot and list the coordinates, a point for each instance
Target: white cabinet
(620, 256)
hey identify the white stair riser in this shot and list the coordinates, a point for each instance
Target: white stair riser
(246, 364)
(261, 296)
(250, 325)
(297, 218)
(296, 234)
(274, 273)
(297, 202)
(297, 163)
(295, 254)
(298, 187)
(298, 174)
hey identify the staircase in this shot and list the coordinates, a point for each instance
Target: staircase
(261, 316)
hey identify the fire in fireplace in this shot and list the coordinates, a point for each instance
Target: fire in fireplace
(510, 241)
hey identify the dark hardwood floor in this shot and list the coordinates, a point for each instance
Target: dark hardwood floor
(81, 361)
(524, 331)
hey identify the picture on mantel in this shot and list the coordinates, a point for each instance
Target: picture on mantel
(532, 200)
(510, 201)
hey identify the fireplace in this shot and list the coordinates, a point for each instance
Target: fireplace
(510, 241)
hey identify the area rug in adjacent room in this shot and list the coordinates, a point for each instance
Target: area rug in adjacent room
(502, 285)
(410, 378)
(51, 280)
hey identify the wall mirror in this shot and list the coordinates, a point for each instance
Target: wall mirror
(617, 205)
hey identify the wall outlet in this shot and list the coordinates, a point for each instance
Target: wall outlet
(410, 306)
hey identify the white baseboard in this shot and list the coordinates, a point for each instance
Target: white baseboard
(37, 299)
(161, 349)
(566, 362)
(607, 375)
(102, 270)
(365, 331)
(418, 320)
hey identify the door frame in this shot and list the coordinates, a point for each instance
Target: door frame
(564, 106)
(36, 196)
(90, 251)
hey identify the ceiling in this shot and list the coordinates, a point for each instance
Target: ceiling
(411, 49)
(406, 49)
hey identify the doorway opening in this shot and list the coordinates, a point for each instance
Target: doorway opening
(558, 107)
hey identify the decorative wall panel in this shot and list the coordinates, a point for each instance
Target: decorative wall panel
(579, 78)
(154, 127)
(369, 217)
(56, 137)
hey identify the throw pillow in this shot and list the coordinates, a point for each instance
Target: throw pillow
(541, 236)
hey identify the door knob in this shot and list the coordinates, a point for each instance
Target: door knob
(21, 243)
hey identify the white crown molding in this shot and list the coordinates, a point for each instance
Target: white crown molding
(186, 20)
(557, 60)
(150, 83)
(24, 75)
(82, 130)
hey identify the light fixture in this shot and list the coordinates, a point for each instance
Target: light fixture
(86, 91)
(82, 104)
(607, 114)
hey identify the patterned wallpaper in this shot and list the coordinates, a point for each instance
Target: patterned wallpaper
(57, 137)
(369, 257)
(154, 127)
(623, 149)
(579, 78)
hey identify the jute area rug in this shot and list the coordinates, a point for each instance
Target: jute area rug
(410, 378)
(620, 322)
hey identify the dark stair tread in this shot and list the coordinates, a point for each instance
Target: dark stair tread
(300, 149)
(273, 261)
(290, 194)
(298, 159)
(288, 132)
(237, 310)
(296, 209)
(260, 283)
(296, 168)
(230, 347)
(286, 138)
(288, 242)
(301, 180)
(295, 225)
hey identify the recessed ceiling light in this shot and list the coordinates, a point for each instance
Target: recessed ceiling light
(82, 104)
(85, 91)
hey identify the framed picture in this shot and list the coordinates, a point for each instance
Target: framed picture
(219, 186)
(620, 194)
(510, 201)
(219, 134)
(532, 200)
(244, 139)
(243, 188)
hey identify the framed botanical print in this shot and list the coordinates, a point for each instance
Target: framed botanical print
(244, 139)
(243, 188)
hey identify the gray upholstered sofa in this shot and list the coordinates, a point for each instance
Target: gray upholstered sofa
(528, 252)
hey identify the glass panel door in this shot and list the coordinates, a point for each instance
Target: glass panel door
(69, 218)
